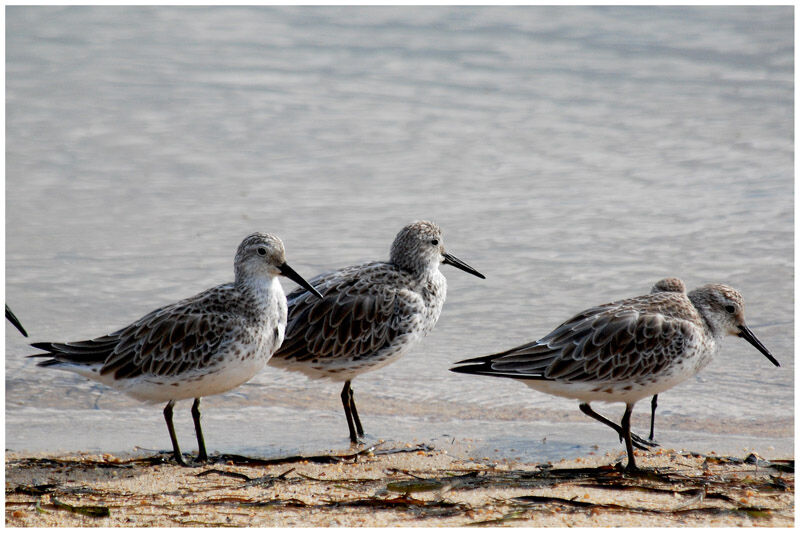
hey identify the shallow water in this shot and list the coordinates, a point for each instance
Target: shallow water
(573, 155)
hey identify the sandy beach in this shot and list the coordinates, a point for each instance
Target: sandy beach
(398, 484)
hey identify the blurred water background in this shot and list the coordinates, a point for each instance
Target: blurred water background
(574, 155)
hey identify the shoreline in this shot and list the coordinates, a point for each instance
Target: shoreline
(398, 484)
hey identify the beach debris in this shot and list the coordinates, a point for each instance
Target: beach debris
(684, 488)
(95, 511)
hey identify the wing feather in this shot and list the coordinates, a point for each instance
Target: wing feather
(619, 341)
(174, 338)
(355, 318)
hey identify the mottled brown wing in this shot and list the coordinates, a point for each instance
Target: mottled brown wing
(176, 338)
(354, 318)
(166, 343)
(601, 344)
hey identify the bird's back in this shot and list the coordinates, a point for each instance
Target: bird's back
(369, 314)
(628, 343)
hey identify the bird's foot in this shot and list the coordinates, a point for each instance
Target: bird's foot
(179, 459)
(359, 441)
(631, 468)
(642, 443)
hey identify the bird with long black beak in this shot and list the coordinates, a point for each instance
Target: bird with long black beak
(369, 315)
(207, 344)
(626, 350)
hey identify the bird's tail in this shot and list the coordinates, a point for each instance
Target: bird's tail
(88, 353)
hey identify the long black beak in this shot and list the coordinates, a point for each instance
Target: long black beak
(458, 263)
(289, 272)
(11, 317)
(746, 334)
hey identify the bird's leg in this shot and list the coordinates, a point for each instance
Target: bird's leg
(638, 442)
(348, 412)
(201, 443)
(626, 429)
(175, 448)
(359, 429)
(653, 405)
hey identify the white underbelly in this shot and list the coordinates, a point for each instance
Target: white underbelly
(195, 383)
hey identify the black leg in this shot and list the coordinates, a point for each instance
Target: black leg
(359, 429)
(201, 442)
(175, 448)
(638, 442)
(653, 405)
(347, 395)
(626, 429)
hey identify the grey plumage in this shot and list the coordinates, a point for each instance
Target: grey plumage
(203, 345)
(626, 350)
(369, 314)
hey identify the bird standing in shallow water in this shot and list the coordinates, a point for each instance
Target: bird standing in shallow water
(203, 345)
(625, 351)
(369, 314)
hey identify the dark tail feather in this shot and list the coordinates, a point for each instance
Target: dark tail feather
(483, 366)
(47, 362)
(83, 352)
(486, 370)
(482, 359)
(493, 357)
(11, 317)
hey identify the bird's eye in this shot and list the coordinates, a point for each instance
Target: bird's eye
(434, 242)
(262, 251)
(730, 308)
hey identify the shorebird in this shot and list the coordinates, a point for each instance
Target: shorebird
(663, 285)
(206, 344)
(369, 314)
(625, 351)
(11, 317)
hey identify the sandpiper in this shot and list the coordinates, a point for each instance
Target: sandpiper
(625, 350)
(369, 314)
(203, 345)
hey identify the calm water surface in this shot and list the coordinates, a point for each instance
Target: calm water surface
(573, 155)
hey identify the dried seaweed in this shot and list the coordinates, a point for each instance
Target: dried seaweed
(547, 500)
(420, 484)
(234, 459)
(32, 490)
(241, 460)
(720, 487)
(88, 510)
(262, 481)
(236, 475)
(407, 487)
(405, 503)
(781, 465)
(248, 502)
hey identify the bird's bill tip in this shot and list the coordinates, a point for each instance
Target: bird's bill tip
(290, 273)
(458, 263)
(746, 334)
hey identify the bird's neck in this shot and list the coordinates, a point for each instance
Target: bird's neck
(705, 315)
(262, 289)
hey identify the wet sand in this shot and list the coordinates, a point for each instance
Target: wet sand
(395, 484)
